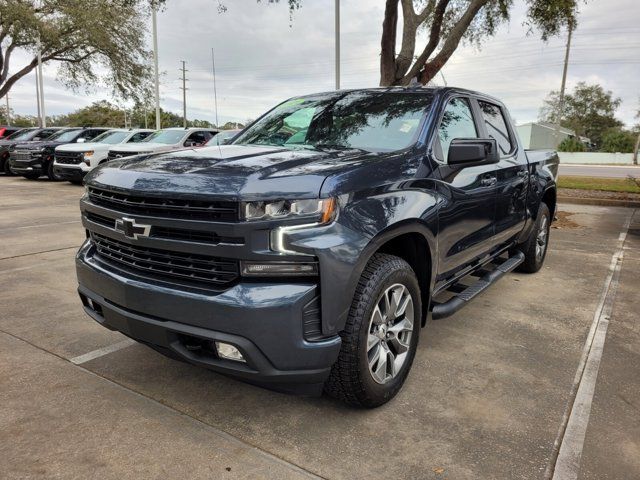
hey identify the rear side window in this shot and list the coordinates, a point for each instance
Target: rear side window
(457, 122)
(496, 125)
(138, 137)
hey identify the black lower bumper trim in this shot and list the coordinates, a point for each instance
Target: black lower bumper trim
(176, 340)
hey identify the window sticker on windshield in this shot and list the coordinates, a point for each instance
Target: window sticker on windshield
(407, 126)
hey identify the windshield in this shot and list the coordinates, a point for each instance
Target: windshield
(21, 134)
(167, 137)
(222, 137)
(64, 136)
(111, 137)
(372, 121)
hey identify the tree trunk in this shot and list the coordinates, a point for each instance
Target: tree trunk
(388, 43)
(635, 151)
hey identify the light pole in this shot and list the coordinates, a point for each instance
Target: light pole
(337, 28)
(41, 86)
(154, 24)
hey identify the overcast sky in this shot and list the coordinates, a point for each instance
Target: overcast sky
(263, 57)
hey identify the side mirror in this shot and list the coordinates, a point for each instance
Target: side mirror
(81, 140)
(190, 143)
(473, 151)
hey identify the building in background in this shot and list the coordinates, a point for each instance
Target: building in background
(542, 135)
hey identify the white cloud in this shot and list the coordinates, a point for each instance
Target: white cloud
(262, 57)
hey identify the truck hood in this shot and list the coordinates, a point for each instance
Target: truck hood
(143, 147)
(38, 145)
(84, 147)
(234, 172)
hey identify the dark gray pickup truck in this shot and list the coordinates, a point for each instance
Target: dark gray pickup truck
(309, 253)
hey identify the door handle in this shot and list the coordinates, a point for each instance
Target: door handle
(489, 181)
(523, 173)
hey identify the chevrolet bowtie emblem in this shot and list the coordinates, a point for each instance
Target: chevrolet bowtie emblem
(131, 229)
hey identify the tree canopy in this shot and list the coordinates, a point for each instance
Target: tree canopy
(93, 42)
(447, 24)
(589, 110)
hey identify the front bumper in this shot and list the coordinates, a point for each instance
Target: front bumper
(263, 320)
(22, 167)
(73, 174)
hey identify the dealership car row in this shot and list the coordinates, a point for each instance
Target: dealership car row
(69, 153)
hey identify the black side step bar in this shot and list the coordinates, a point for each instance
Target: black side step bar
(448, 308)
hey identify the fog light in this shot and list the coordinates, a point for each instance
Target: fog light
(265, 269)
(228, 351)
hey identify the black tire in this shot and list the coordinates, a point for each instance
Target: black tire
(6, 168)
(534, 258)
(352, 379)
(51, 174)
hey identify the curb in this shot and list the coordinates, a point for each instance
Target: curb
(601, 202)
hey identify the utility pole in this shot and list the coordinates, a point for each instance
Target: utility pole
(154, 24)
(8, 111)
(184, 94)
(337, 28)
(563, 84)
(38, 99)
(215, 93)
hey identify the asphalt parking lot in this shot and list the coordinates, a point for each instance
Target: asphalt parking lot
(485, 398)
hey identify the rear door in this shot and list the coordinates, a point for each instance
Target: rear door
(466, 219)
(512, 172)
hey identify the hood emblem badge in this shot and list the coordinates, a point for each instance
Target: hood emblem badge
(131, 229)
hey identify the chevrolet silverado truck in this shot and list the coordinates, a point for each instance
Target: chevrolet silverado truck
(309, 253)
(73, 161)
(165, 140)
(25, 135)
(34, 159)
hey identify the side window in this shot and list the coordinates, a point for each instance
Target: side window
(44, 134)
(90, 134)
(197, 139)
(496, 126)
(138, 137)
(457, 122)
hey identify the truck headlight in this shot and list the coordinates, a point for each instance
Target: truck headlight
(88, 154)
(323, 209)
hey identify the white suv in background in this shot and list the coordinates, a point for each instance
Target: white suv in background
(73, 161)
(165, 140)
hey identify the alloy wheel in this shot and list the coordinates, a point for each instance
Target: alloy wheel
(390, 332)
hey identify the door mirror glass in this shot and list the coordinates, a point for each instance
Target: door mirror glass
(473, 151)
(81, 140)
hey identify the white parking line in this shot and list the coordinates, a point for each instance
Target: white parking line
(570, 440)
(79, 360)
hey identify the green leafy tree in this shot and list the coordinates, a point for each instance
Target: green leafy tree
(448, 23)
(589, 111)
(618, 140)
(571, 144)
(82, 37)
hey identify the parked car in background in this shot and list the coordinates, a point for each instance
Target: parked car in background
(31, 134)
(165, 140)
(5, 131)
(310, 252)
(224, 137)
(73, 161)
(34, 159)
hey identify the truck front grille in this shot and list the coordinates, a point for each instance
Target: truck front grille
(219, 211)
(69, 158)
(175, 267)
(21, 155)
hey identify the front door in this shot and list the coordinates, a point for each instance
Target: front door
(466, 217)
(512, 173)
